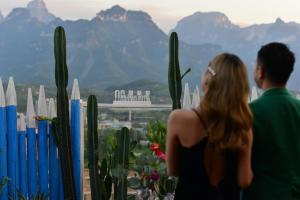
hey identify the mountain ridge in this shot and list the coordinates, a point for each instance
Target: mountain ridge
(100, 52)
(243, 41)
(126, 45)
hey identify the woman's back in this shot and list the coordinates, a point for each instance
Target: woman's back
(193, 179)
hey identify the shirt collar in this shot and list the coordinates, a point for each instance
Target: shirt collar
(276, 91)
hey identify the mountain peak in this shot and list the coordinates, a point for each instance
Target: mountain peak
(205, 27)
(120, 14)
(216, 19)
(115, 13)
(279, 21)
(39, 10)
(116, 9)
(37, 4)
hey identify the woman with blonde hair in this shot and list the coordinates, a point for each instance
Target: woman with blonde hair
(209, 148)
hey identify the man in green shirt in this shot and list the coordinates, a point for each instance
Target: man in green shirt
(276, 129)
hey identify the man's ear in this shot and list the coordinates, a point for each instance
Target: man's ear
(260, 71)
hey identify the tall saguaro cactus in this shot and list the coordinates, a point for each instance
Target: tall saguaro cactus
(62, 122)
(174, 75)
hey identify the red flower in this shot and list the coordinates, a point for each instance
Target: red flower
(154, 147)
(160, 154)
(154, 175)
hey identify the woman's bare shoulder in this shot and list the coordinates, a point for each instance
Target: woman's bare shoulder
(187, 126)
(182, 115)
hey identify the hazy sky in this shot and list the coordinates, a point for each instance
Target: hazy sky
(167, 12)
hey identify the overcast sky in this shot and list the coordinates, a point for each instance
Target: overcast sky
(167, 12)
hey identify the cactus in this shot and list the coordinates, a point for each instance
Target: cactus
(121, 162)
(175, 88)
(101, 184)
(61, 124)
(92, 114)
(174, 75)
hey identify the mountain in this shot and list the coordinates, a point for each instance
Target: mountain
(216, 28)
(201, 28)
(119, 46)
(116, 46)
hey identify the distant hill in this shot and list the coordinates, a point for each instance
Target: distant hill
(215, 28)
(116, 46)
(159, 92)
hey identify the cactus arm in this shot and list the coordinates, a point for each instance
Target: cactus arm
(108, 185)
(185, 73)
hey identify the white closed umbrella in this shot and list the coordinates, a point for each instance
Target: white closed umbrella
(42, 104)
(196, 98)
(186, 104)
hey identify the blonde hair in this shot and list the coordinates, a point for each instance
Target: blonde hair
(224, 108)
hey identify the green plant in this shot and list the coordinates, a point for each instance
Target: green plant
(150, 173)
(101, 184)
(38, 196)
(156, 133)
(174, 75)
(107, 143)
(150, 166)
(3, 181)
(61, 124)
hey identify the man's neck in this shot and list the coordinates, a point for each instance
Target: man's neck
(266, 85)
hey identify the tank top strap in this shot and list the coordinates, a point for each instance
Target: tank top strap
(201, 119)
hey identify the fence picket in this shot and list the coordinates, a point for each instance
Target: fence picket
(12, 139)
(53, 170)
(75, 135)
(3, 144)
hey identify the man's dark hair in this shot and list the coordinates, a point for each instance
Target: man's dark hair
(278, 62)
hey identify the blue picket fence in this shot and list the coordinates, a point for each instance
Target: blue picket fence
(29, 158)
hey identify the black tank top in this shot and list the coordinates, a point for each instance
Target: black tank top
(193, 182)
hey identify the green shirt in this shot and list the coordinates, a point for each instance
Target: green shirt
(276, 147)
